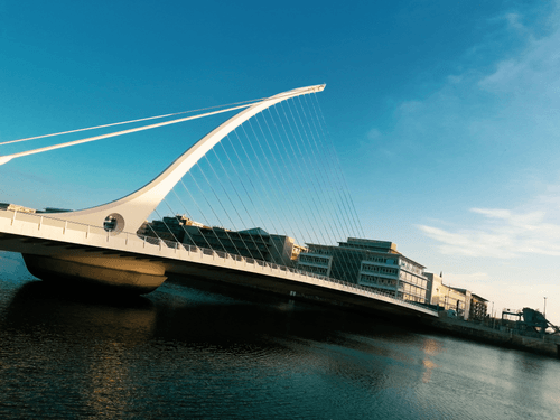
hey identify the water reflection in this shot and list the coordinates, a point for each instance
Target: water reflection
(43, 309)
(209, 353)
(69, 350)
(431, 347)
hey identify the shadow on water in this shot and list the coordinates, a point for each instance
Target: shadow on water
(44, 309)
(223, 316)
(201, 314)
(37, 290)
(223, 319)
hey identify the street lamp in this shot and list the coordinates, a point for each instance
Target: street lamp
(492, 314)
(447, 300)
(544, 312)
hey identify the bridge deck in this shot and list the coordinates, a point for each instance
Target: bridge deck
(38, 234)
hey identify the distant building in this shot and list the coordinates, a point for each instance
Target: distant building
(173, 226)
(296, 250)
(56, 210)
(447, 297)
(252, 243)
(466, 304)
(221, 239)
(23, 209)
(169, 229)
(317, 259)
(478, 309)
(375, 264)
(15, 207)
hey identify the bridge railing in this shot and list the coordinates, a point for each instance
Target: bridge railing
(78, 232)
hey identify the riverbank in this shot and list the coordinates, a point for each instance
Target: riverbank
(547, 345)
(449, 326)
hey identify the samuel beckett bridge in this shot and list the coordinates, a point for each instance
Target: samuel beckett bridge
(243, 205)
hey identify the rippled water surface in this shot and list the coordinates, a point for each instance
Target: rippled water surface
(208, 353)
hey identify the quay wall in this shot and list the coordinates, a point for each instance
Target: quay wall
(547, 345)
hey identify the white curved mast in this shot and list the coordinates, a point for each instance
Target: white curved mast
(128, 213)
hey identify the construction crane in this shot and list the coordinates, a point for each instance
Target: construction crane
(529, 320)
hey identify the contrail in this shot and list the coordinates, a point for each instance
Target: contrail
(155, 117)
(5, 159)
(242, 103)
(91, 128)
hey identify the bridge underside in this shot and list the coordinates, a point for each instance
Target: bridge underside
(187, 274)
(135, 273)
(87, 265)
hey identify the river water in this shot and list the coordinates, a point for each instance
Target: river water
(210, 353)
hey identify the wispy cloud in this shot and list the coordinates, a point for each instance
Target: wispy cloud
(505, 97)
(374, 134)
(535, 69)
(498, 125)
(514, 20)
(464, 278)
(502, 233)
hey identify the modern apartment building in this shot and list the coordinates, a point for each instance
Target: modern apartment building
(375, 264)
(478, 309)
(252, 243)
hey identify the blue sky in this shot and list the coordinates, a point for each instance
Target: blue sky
(445, 115)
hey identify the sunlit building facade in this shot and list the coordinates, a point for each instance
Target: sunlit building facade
(375, 264)
(462, 302)
(252, 243)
